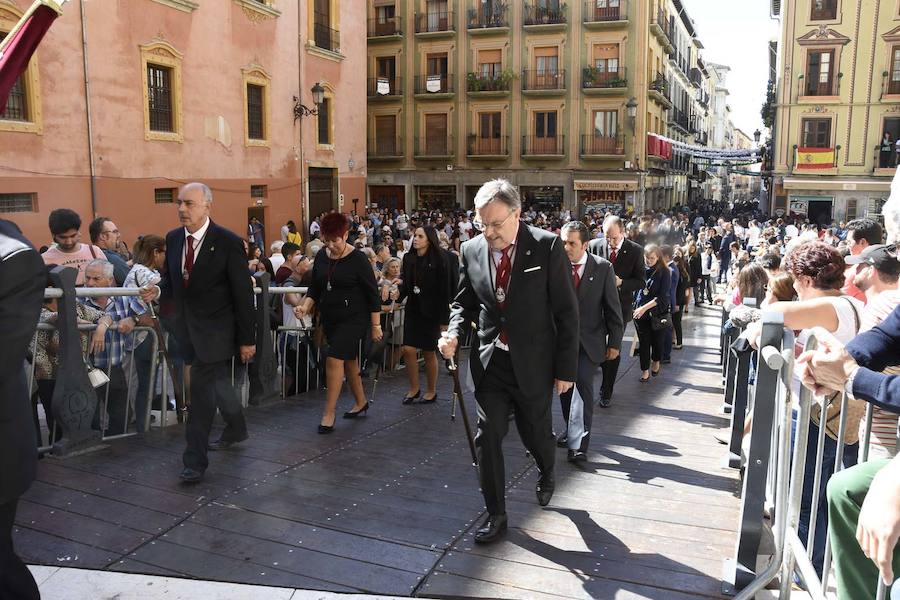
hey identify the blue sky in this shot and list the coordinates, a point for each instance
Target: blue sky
(737, 34)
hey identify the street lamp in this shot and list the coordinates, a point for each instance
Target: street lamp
(301, 110)
(631, 110)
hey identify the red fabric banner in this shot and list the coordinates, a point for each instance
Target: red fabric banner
(19, 49)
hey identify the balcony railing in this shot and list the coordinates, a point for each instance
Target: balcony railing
(533, 145)
(326, 37)
(660, 85)
(593, 144)
(599, 14)
(437, 147)
(433, 22)
(545, 15)
(434, 84)
(680, 118)
(696, 77)
(488, 146)
(381, 87)
(491, 81)
(820, 88)
(488, 16)
(384, 148)
(593, 78)
(893, 86)
(661, 20)
(387, 27)
(535, 80)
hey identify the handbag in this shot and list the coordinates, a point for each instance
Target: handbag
(660, 321)
(97, 377)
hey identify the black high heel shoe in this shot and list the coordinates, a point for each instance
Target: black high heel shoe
(325, 429)
(429, 400)
(411, 399)
(352, 414)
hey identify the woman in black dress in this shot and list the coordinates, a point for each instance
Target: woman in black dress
(652, 299)
(343, 287)
(426, 286)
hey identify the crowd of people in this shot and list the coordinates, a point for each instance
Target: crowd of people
(548, 296)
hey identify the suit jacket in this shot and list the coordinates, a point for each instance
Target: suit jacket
(599, 312)
(874, 350)
(214, 312)
(23, 277)
(430, 274)
(629, 267)
(724, 246)
(540, 316)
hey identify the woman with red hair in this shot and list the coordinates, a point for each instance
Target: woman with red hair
(344, 289)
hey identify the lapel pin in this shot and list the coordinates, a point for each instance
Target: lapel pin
(590, 278)
(212, 248)
(528, 253)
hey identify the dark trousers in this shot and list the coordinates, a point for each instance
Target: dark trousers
(115, 396)
(497, 393)
(584, 383)
(676, 324)
(707, 285)
(698, 294)
(211, 388)
(650, 341)
(45, 389)
(724, 263)
(16, 581)
(143, 358)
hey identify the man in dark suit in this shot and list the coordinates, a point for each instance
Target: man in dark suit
(600, 336)
(208, 284)
(23, 277)
(725, 253)
(627, 259)
(515, 283)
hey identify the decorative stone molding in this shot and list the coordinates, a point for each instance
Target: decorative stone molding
(187, 6)
(258, 11)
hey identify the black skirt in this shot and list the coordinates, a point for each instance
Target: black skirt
(344, 338)
(419, 331)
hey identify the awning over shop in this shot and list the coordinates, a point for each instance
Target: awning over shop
(847, 185)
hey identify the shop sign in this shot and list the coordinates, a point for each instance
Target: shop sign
(606, 186)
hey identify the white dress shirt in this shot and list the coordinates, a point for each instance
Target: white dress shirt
(198, 236)
(581, 263)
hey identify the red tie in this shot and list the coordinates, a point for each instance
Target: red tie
(575, 276)
(612, 256)
(503, 272)
(189, 255)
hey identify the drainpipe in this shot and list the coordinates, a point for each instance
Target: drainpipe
(87, 107)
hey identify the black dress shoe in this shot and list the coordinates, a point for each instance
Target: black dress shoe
(544, 489)
(407, 399)
(604, 400)
(562, 440)
(577, 456)
(221, 444)
(429, 400)
(492, 528)
(353, 414)
(191, 475)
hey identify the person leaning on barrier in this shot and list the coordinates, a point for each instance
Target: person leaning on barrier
(294, 345)
(22, 280)
(818, 271)
(344, 291)
(149, 258)
(109, 354)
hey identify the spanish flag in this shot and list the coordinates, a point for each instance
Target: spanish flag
(18, 46)
(813, 159)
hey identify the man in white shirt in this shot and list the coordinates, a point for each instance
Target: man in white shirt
(790, 230)
(277, 259)
(465, 229)
(753, 233)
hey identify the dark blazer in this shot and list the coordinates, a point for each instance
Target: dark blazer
(724, 246)
(452, 272)
(23, 277)
(599, 312)
(874, 350)
(433, 301)
(214, 313)
(629, 267)
(541, 313)
(658, 285)
(695, 265)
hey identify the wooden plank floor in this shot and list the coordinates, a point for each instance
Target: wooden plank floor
(388, 503)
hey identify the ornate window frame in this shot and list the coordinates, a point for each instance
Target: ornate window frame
(9, 16)
(256, 75)
(329, 95)
(160, 52)
(259, 10)
(187, 6)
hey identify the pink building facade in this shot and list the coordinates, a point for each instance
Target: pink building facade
(126, 101)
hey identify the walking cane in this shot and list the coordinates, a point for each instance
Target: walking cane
(458, 397)
(182, 404)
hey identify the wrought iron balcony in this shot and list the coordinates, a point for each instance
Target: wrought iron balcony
(545, 15)
(613, 11)
(326, 38)
(434, 84)
(434, 147)
(593, 78)
(489, 15)
(533, 145)
(537, 80)
(386, 27)
(384, 87)
(434, 22)
(384, 148)
(489, 81)
(488, 146)
(593, 144)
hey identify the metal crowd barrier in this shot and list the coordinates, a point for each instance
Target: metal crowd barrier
(775, 472)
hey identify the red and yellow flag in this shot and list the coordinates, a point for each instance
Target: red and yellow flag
(814, 158)
(18, 46)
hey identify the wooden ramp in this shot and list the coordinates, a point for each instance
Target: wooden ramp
(387, 504)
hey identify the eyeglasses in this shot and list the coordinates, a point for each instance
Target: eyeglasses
(482, 226)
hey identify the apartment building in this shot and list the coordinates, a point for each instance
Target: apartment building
(125, 101)
(563, 99)
(838, 94)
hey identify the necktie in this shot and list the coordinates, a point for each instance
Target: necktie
(189, 256)
(575, 276)
(503, 272)
(612, 255)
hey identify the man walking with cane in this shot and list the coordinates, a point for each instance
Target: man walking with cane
(515, 283)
